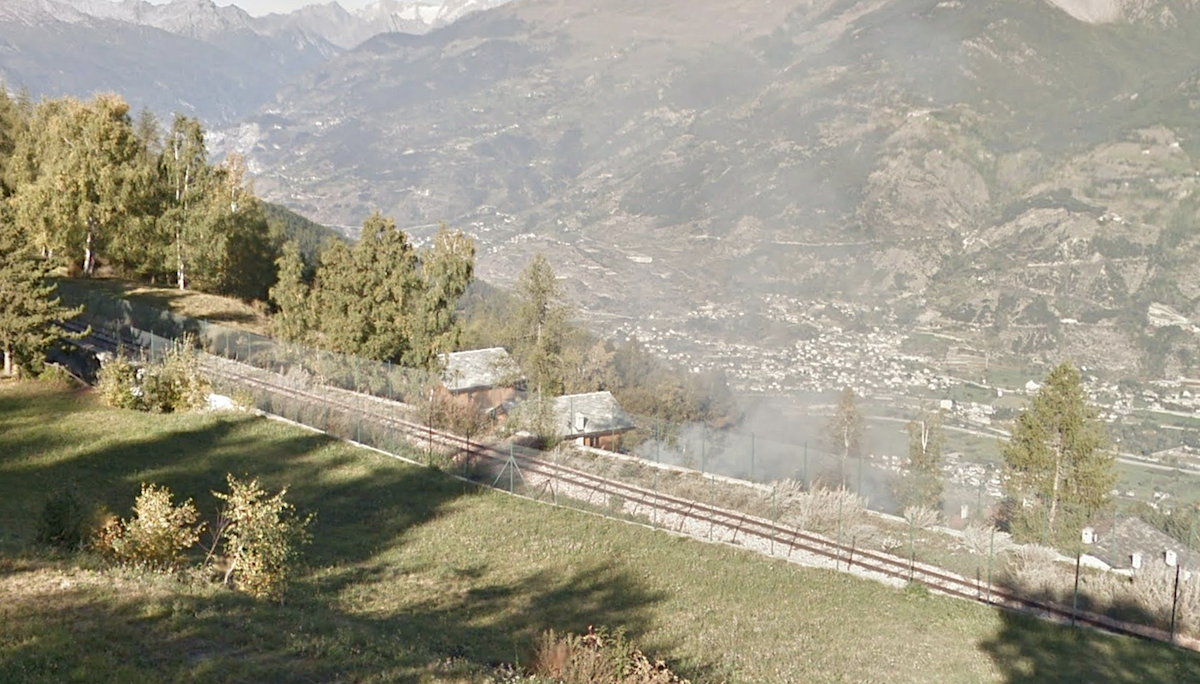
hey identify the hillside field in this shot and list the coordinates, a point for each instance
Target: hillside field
(415, 577)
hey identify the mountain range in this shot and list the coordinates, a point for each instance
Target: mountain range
(190, 56)
(1018, 176)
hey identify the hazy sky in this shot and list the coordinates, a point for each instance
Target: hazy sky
(261, 7)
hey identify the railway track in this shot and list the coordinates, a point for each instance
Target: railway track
(677, 514)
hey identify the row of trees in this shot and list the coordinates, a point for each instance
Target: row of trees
(381, 298)
(85, 185)
(1058, 469)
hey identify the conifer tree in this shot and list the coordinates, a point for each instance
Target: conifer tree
(447, 269)
(290, 295)
(539, 327)
(1058, 469)
(30, 314)
(366, 294)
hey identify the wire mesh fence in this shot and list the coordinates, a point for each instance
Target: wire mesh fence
(690, 484)
(150, 327)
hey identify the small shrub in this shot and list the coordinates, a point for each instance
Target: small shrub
(157, 534)
(597, 657)
(921, 517)
(117, 383)
(176, 383)
(56, 374)
(64, 521)
(985, 539)
(821, 509)
(259, 536)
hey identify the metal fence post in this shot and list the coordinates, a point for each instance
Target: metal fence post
(991, 557)
(979, 500)
(841, 503)
(712, 502)
(1075, 598)
(1174, 602)
(774, 487)
(806, 488)
(911, 551)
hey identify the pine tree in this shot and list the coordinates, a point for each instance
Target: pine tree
(447, 269)
(30, 314)
(290, 296)
(540, 326)
(366, 294)
(1057, 466)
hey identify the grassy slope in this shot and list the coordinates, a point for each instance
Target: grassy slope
(226, 311)
(411, 569)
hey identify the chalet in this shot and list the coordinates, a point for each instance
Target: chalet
(484, 378)
(1132, 544)
(594, 419)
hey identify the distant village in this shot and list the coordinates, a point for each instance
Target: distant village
(880, 364)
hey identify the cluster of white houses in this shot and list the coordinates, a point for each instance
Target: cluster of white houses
(489, 381)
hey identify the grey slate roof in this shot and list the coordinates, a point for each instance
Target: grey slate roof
(1116, 543)
(585, 415)
(477, 369)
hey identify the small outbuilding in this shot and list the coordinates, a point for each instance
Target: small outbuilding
(483, 378)
(594, 419)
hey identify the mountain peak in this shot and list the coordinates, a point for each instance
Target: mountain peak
(1125, 11)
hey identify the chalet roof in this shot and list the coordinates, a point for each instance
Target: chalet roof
(585, 415)
(1115, 544)
(476, 369)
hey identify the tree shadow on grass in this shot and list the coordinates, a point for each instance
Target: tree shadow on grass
(85, 629)
(364, 502)
(1027, 650)
(351, 617)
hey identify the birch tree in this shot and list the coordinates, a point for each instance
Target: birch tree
(184, 165)
(78, 182)
(922, 484)
(844, 431)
